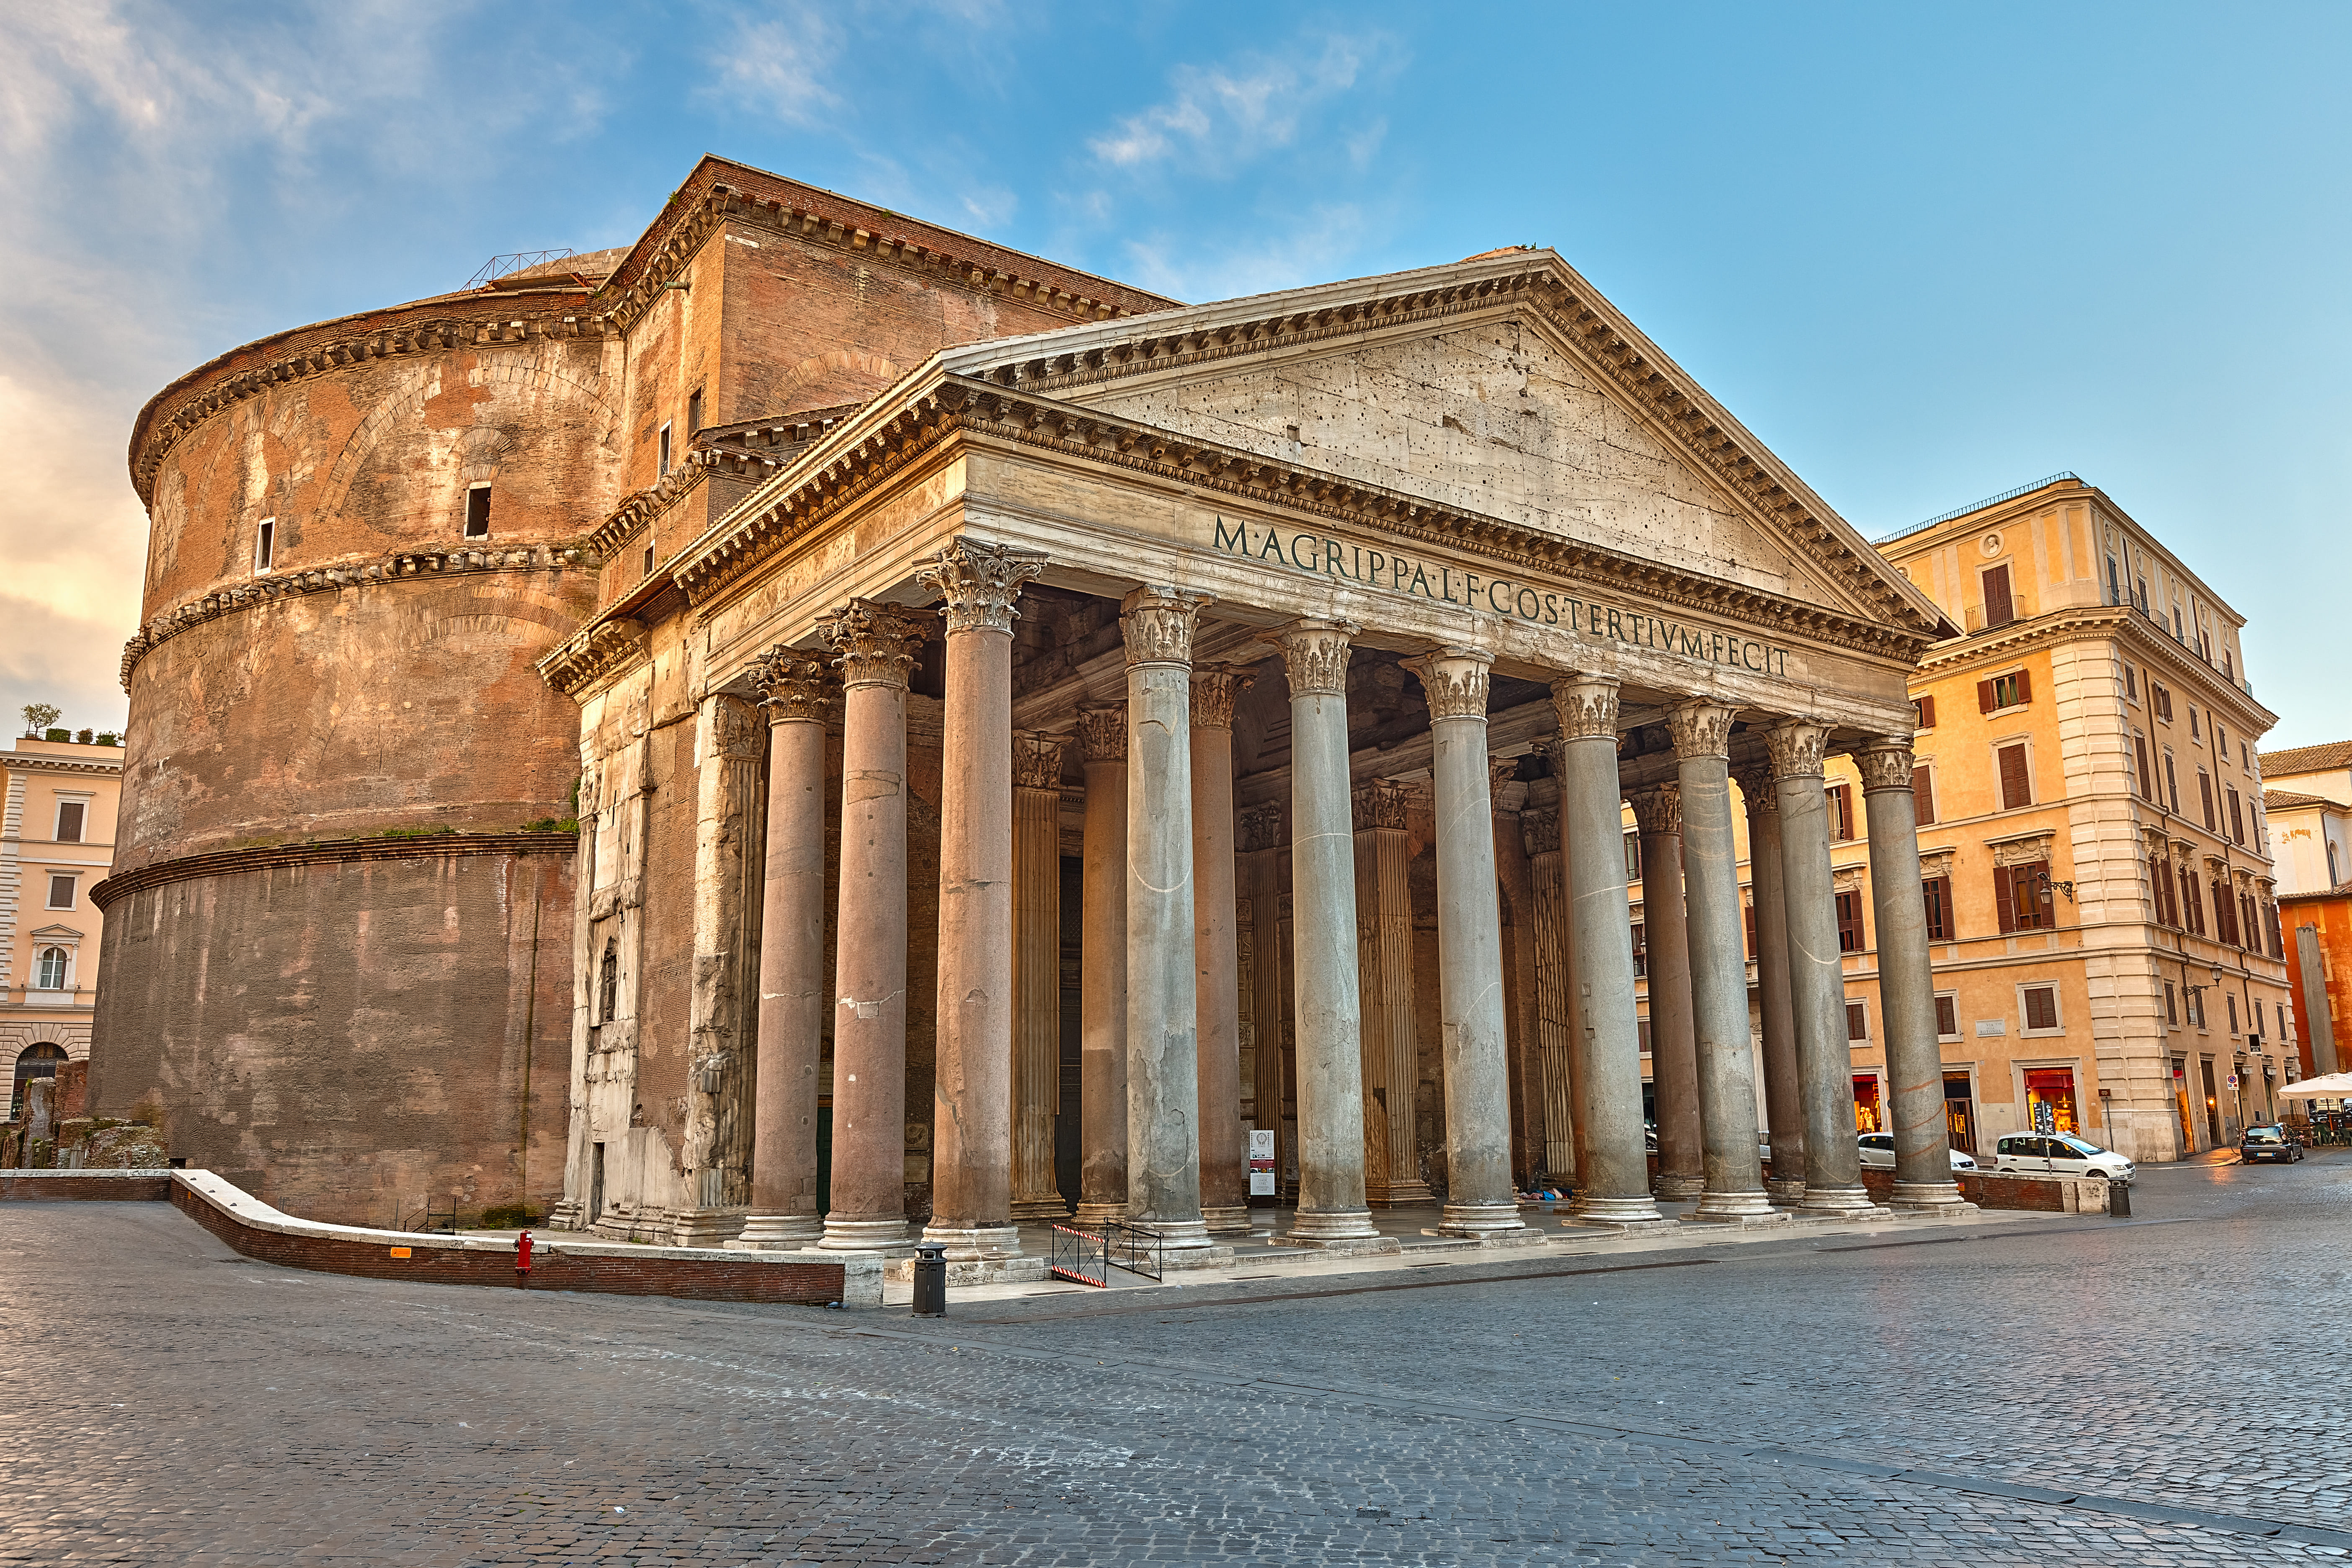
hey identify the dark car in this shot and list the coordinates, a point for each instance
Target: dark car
(2273, 1143)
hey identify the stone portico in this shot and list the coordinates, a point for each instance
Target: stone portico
(1223, 718)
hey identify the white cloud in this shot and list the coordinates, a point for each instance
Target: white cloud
(1312, 245)
(778, 67)
(1220, 117)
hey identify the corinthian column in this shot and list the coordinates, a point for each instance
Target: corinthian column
(1479, 1201)
(1329, 1010)
(729, 739)
(1261, 845)
(1719, 966)
(1163, 1070)
(1674, 1048)
(1554, 1010)
(793, 688)
(878, 644)
(1816, 970)
(1609, 1067)
(1784, 1098)
(1391, 1057)
(1037, 972)
(1225, 1148)
(971, 1189)
(1906, 981)
(1102, 986)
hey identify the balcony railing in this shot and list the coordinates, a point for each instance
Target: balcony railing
(2133, 602)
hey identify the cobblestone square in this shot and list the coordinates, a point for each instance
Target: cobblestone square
(2080, 1391)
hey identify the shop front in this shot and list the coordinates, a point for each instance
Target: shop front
(2050, 1100)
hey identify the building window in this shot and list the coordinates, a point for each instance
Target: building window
(1925, 707)
(1999, 608)
(70, 814)
(1923, 795)
(1641, 950)
(608, 983)
(1632, 856)
(1948, 1015)
(2144, 779)
(49, 969)
(2015, 689)
(34, 1061)
(2233, 1003)
(265, 544)
(1748, 914)
(2194, 731)
(1841, 803)
(1857, 1020)
(2225, 915)
(2159, 881)
(2237, 818)
(664, 453)
(1851, 934)
(693, 412)
(2040, 1005)
(2016, 779)
(2205, 797)
(2171, 1011)
(2192, 901)
(2172, 782)
(2131, 684)
(1937, 891)
(2018, 897)
(61, 892)
(2160, 698)
(477, 511)
(649, 559)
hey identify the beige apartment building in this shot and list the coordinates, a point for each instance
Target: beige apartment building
(2307, 799)
(57, 801)
(2101, 900)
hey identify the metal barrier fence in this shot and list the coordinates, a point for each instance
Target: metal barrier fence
(1080, 1255)
(1088, 1256)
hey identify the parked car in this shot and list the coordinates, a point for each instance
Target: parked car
(2059, 1154)
(1878, 1150)
(2272, 1142)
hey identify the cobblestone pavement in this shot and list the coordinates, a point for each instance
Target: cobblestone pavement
(1926, 1398)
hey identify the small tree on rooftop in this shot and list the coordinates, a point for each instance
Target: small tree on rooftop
(39, 716)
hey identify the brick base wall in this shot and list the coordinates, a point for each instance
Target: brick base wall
(77, 1187)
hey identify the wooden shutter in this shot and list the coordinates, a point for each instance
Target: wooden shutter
(1923, 795)
(2024, 686)
(1926, 705)
(2237, 820)
(1984, 696)
(2041, 1007)
(1948, 1017)
(2004, 896)
(1937, 892)
(2016, 786)
(2146, 780)
(1858, 1021)
(2205, 796)
(1999, 609)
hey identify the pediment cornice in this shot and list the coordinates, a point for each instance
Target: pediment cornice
(870, 450)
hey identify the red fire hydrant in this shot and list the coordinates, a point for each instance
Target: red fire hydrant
(523, 1260)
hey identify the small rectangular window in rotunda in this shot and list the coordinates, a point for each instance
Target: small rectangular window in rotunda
(664, 453)
(477, 511)
(265, 544)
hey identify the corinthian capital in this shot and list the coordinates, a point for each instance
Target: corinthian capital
(1586, 705)
(1796, 747)
(1657, 809)
(877, 642)
(1886, 763)
(1261, 828)
(980, 582)
(1700, 729)
(1382, 802)
(1102, 732)
(1539, 829)
(734, 729)
(1213, 692)
(1038, 760)
(1158, 624)
(793, 685)
(1755, 782)
(1455, 680)
(1315, 654)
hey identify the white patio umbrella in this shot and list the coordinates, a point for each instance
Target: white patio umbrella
(2327, 1086)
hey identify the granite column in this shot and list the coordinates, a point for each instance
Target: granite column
(1225, 1142)
(1784, 1098)
(1037, 972)
(1673, 1044)
(1102, 987)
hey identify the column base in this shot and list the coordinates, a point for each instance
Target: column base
(1022, 1271)
(1594, 1209)
(1374, 1246)
(1679, 1189)
(568, 1214)
(1400, 1194)
(776, 1233)
(1834, 1203)
(1098, 1214)
(1050, 1207)
(979, 1255)
(1490, 1224)
(1227, 1221)
(1310, 1227)
(886, 1237)
(1784, 1192)
(704, 1227)
(1929, 1197)
(1736, 1208)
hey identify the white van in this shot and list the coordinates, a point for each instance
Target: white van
(2058, 1153)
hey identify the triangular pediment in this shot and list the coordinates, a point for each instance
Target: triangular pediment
(1502, 387)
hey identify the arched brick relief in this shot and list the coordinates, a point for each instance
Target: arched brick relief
(837, 375)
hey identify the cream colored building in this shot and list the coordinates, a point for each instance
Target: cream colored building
(58, 805)
(2102, 907)
(2307, 797)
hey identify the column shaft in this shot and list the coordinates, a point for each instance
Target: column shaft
(878, 645)
(1784, 1099)
(1479, 1201)
(1906, 981)
(1036, 974)
(1674, 1043)
(1329, 1017)
(1261, 844)
(1718, 966)
(1555, 1011)
(1609, 1069)
(1816, 970)
(971, 1135)
(1391, 1049)
(792, 959)
(1164, 1086)
(1224, 1147)
(1102, 987)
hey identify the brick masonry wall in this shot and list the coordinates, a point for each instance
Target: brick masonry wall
(73, 1187)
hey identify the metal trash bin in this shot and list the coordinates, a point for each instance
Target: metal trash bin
(931, 1279)
(2119, 1200)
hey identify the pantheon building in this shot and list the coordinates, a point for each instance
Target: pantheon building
(818, 730)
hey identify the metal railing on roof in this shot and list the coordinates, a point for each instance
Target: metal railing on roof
(499, 266)
(1979, 506)
(2197, 649)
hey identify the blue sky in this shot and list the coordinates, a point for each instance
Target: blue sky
(1926, 253)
